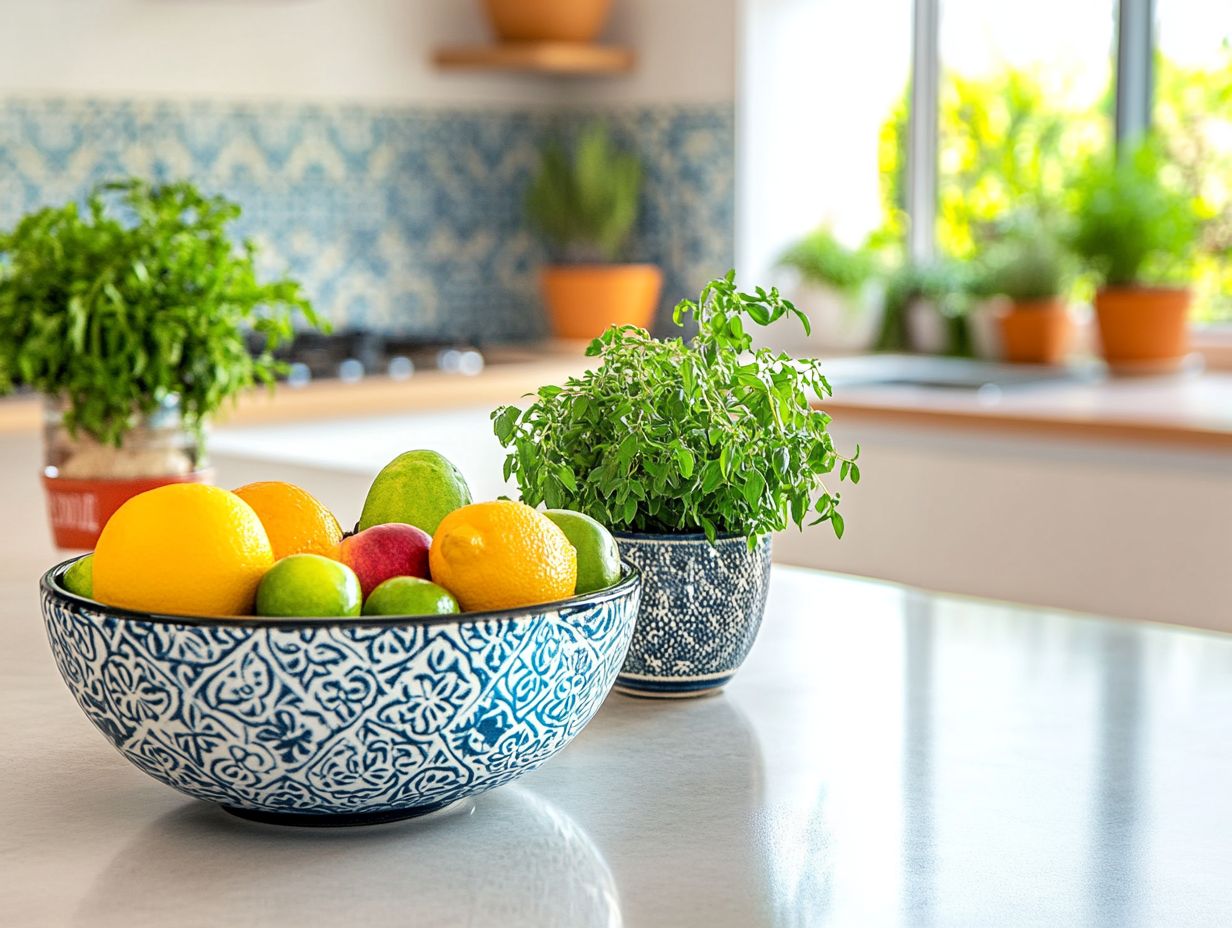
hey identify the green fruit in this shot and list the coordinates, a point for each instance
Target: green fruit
(410, 596)
(598, 558)
(419, 488)
(309, 585)
(79, 578)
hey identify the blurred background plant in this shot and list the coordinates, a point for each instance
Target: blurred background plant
(584, 201)
(1007, 145)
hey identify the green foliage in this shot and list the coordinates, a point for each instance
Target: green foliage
(1027, 264)
(1130, 225)
(1006, 144)
(948, 283)
(821, 258)
(586, 204)
(140, 297)
(670, 437)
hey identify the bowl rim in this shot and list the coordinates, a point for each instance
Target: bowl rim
(631, 578)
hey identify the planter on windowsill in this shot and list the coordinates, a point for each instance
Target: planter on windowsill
(1143, 329)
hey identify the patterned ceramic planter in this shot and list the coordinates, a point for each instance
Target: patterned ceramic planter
(335, 722)
(702, 605)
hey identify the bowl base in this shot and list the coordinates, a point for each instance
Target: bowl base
(670, 689)
(335, 820)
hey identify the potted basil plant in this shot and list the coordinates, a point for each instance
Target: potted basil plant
(693, 454)
(130, 317)
(585, 203)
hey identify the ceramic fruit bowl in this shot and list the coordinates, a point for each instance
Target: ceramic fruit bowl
(340, 721)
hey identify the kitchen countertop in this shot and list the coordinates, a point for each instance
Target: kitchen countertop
(1190, 411)
(886, 757)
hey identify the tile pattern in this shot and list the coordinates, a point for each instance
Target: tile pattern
(401, 219)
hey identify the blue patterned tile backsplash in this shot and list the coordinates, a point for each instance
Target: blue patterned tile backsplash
(406, 220)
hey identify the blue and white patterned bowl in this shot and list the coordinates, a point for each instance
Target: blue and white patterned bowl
(340, 721)
(702, 605)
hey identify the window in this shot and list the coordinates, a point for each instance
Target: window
(1193, 116)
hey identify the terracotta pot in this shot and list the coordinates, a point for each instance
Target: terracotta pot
(1036, 331)
(548, 20)
(79, 509)
(584, 300)
(1143, 326)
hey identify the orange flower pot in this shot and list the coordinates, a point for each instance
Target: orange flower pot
(80, 508)
(548, 20)
(585, 300)
(1036, 331)
(1143, 327)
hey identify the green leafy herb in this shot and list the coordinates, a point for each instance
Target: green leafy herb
(586, 204)
(670, 437)
(821, 258)
(141, 296)
(1026, 264)
(1130, 225)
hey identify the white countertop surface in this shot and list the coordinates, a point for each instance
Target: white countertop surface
(886, 757)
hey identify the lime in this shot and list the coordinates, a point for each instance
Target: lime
(79, 578)
(410, 596)
(419, 488)
(598, 558)
(309, 585)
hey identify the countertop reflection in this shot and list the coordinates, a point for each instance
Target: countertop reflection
(887, 757)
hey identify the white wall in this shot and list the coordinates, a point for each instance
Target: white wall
(365, 50)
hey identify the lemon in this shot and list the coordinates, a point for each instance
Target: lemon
(501, 555)
(184, 548)
(598, 557)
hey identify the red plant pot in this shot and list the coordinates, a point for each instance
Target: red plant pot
(79, 508)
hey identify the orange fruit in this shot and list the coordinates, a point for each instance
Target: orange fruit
(293, 518)
(501, 555)
(185, 548)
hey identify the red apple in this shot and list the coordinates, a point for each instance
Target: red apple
(384, 551)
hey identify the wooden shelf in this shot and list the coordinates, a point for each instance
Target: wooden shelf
(539, 57)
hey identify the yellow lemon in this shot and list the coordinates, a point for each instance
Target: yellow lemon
(293, 518)
(501, 555)
(184, 548)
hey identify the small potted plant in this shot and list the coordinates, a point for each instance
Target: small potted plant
(693, 453)
(585, 204)
(1136, 232)
(926, 308)
(130, 318)
(840, 287)
(1027, 269)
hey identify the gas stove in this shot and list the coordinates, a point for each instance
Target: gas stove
(351, 355)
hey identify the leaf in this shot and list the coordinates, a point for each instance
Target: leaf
(684, 457)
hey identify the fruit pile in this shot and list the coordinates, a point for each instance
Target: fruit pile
(271, 549)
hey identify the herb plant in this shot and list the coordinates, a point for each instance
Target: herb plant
(821, 258)
(140, 297)
(1027, 265)
(1130, 225)
(666, 436)
(586, 202)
